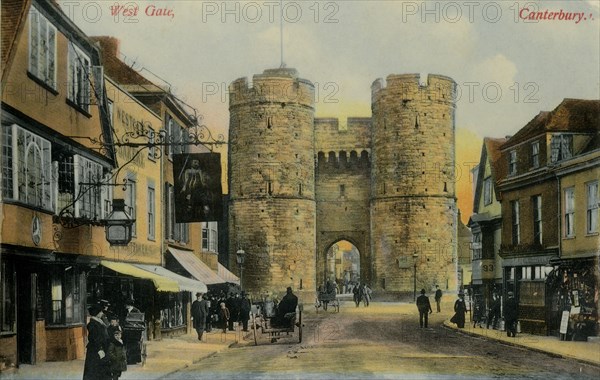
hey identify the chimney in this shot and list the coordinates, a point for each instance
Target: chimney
(109, 45)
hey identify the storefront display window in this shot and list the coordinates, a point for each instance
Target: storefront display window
(574, 288)
(65, 296)
(173, 312)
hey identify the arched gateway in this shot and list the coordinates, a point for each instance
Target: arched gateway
(299, 184)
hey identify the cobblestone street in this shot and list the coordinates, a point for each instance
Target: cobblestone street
(382, 341)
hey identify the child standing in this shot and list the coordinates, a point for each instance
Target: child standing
(116, 355)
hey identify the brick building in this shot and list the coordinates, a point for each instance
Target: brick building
(532, 201)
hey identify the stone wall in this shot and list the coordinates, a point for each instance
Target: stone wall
(272, 182)
(298, 185)
(413, 209)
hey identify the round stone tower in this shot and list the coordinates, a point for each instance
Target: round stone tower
(413, 203)
(272, 204)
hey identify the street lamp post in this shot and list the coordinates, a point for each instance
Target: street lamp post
(240, 257)
(415, 277)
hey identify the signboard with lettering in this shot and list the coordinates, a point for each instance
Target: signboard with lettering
(564, 322)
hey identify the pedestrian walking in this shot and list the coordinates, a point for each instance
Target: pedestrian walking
(244, 311)
(494, 312)
(199, 313)
(511, 315)
(96, 365)
(478, 310)
(358, 294)
(224, 316)
(367, 295)
(460, 308)
(438, 298)
(424, 307)
(117, 355)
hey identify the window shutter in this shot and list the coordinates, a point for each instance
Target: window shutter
(78, 176)
(98, 73)
(54, 187)
(555, 148)
(51, 77)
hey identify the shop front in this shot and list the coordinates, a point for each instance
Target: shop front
(572, 290)
(526, 278)
(162, 296)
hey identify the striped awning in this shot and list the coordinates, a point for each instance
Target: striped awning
(226, 275)
(185, 284)
(196, 267)
(162, 283)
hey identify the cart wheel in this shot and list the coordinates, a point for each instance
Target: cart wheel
(254, 330)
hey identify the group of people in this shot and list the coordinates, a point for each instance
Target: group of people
(208, 312)
(460, 310)
(510, 313)
(106, 354)
(362, 293)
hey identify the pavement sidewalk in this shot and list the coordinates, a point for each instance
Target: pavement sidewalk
(587, 352)
(164, 356)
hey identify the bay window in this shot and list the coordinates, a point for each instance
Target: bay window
(78, 78)
(42, 48)
(26, 167)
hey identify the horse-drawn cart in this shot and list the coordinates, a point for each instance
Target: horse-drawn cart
(267, 323)
(325, 299)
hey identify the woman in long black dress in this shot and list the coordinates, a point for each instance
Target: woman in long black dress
(460, 308)
(96, 362)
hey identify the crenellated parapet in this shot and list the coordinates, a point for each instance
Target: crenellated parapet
(408, 87)
(274, 86)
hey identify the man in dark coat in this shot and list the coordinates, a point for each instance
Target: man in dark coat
(233, 306)
(97, 366)
(287, 305)
(494, 313)
(199, 313)
(424, 307)
(244, 311)
(438, 298)
(511, 315)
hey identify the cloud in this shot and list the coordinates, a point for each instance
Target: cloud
(497, 68)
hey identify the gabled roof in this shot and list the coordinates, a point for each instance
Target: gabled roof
(13, 14)
(146, 91)
(116, 69)
(571, 115)
(490, 151)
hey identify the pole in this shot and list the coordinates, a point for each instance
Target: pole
(241, 277)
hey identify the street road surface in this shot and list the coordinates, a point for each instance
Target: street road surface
(382, 341)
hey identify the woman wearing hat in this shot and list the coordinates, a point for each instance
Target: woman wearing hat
(460, 308)
(96, 362)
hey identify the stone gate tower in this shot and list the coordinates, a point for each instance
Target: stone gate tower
(272, 182)
(413, 226)
(298, 185)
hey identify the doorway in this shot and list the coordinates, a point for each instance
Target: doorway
(26, 306)
(342, 265)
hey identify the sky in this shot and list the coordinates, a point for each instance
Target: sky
(507, 67)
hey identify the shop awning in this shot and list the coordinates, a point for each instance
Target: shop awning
(185, 283)
(162, 283)
(196, 267)
(226, 275)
